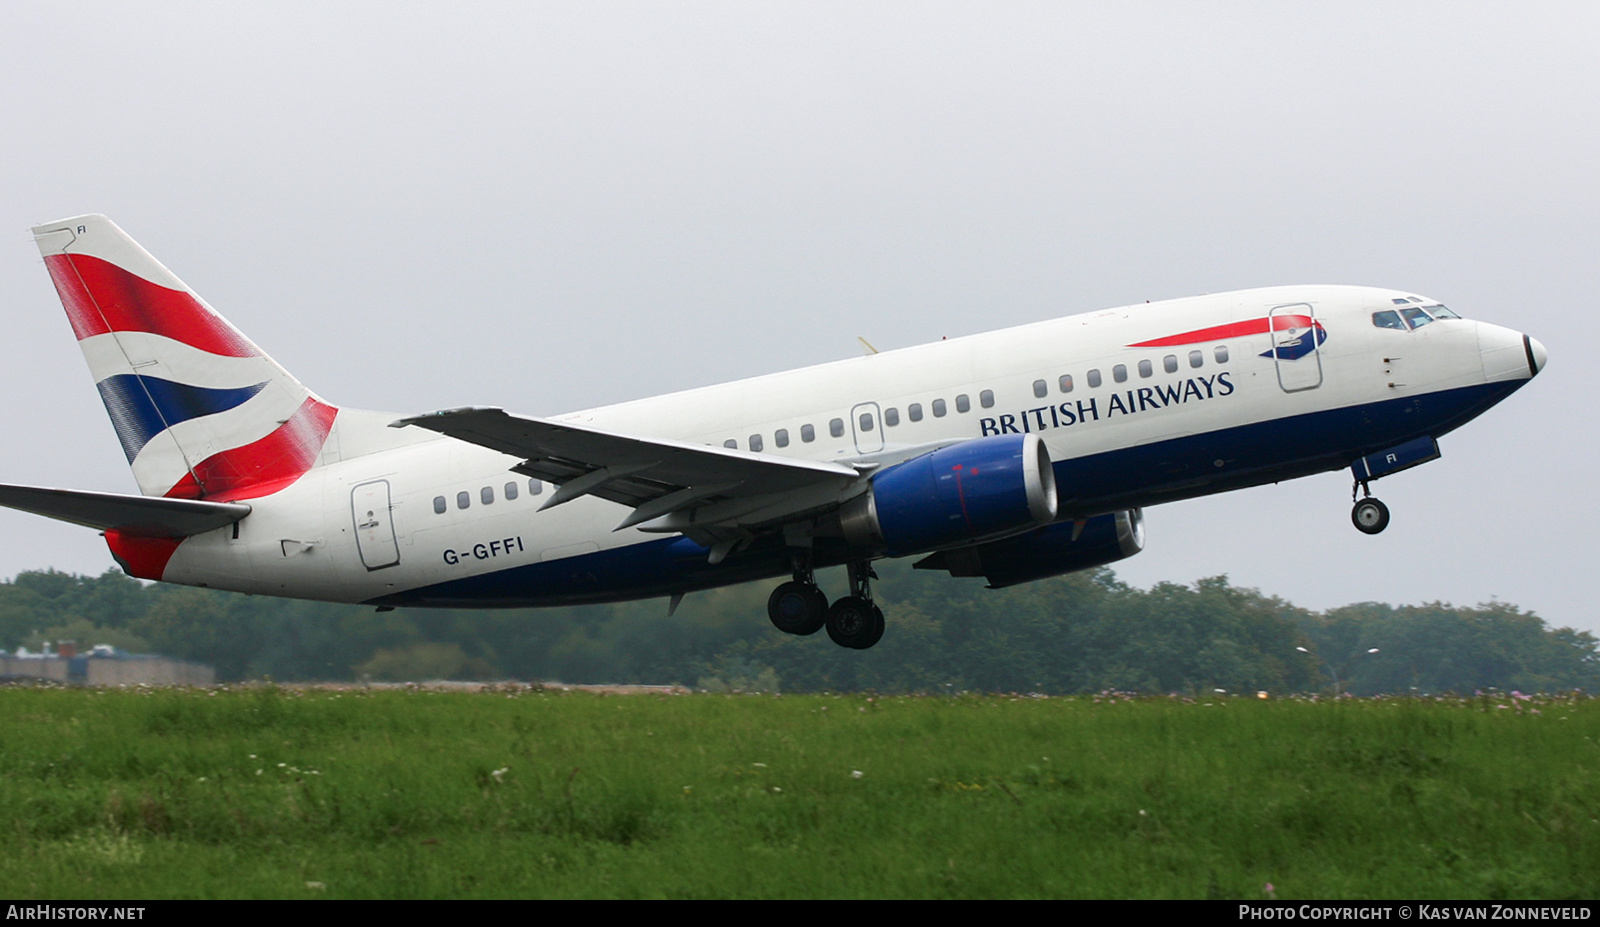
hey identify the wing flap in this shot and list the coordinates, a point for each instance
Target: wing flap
(135, 516)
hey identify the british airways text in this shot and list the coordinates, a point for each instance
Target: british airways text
(1127, 402)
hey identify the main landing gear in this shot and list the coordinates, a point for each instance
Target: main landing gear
(1369, 515)
(799, 607)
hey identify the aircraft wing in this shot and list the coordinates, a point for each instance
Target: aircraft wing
(706, 487)
(140, 516)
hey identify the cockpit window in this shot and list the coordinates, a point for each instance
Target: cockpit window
(1415, 317)
(1410, 317)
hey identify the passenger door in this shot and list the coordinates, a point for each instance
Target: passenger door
(1295, 347)
(369, 505)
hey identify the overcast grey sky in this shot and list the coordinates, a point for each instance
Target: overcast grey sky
(548, 206)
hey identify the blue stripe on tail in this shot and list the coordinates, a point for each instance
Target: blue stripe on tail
(142, 407)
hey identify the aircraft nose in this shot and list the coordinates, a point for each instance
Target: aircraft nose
(1536, 354)
(1508, 355)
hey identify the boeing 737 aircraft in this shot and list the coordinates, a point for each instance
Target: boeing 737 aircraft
(1012, 455)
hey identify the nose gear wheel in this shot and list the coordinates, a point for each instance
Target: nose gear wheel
(1369, 515)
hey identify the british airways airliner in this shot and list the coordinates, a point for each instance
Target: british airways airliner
(1012, 455)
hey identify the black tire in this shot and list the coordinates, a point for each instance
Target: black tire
(1370, 516)
(797, 608)
(877, 635)
(855, 623)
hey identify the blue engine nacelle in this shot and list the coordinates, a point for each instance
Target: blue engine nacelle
(975, 491)
(1065, 547)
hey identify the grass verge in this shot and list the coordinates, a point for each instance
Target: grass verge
(260, 792)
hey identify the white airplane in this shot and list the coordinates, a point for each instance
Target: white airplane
(1012, 455)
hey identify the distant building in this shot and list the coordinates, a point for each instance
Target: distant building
(103, 666)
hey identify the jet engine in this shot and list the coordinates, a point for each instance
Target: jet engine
(978, 490)
(1065, 547)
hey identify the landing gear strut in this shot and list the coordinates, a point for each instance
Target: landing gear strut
(1369, 515)
(798, 606)
(854, 621)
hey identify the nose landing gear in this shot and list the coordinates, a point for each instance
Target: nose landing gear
(1369, 515)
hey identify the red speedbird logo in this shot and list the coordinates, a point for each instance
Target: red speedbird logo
(1290, 341)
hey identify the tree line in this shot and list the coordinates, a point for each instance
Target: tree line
(1086, 632)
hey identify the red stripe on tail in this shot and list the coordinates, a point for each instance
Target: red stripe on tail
(262, 467)
(101, 297)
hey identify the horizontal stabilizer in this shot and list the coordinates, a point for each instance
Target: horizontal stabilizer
(134, 516)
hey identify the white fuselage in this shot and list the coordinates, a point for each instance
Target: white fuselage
(1138, 426)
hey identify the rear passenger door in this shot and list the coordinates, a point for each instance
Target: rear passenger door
(369, 505)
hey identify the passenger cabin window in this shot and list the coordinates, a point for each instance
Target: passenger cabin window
(731, 443)
(463, 499)
(781, 437)
(986, 398)
(808, 434)
(756, 443)
(535, 487)
(1041, 389)
(1196, 358)
(891, 416)
(1066, 383)
(511, 491)
(865, 421)
(914, 411)
(1221, 353)
(1170, 363)
(836, 427)
(938, 408)
(486, 494)
(1120, 373)
(1094, 378)
(1145, 369)
(963, 404)
(438, 505)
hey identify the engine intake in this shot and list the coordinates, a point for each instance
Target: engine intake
(967, 493)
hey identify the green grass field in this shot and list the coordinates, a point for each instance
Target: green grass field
(268, 793)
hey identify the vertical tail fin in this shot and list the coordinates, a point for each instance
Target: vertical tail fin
(201, 412)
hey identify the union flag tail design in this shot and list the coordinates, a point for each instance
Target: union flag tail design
(201, 412)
